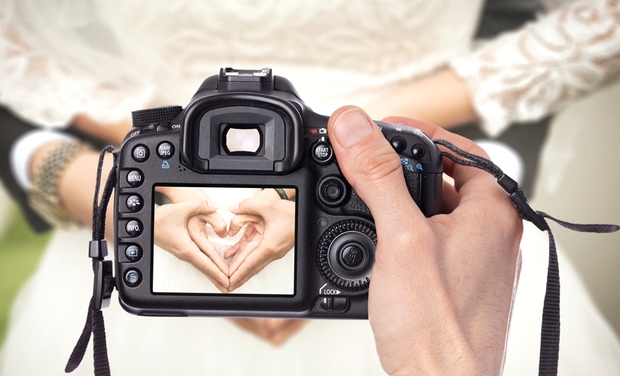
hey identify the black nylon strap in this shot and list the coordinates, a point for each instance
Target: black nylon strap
(550, 334)
(104, 281)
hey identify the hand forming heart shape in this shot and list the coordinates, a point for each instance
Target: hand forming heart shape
(181, 228)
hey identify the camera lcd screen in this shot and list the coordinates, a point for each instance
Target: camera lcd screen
(205, 238)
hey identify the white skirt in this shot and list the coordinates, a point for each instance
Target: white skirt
(50, 311)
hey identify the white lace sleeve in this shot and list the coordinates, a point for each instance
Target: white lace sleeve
(527, 74)
(56, 62)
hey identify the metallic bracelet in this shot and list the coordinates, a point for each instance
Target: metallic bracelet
(282, 193)
(43, 195)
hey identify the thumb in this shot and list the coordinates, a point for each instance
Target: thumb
(370, 165)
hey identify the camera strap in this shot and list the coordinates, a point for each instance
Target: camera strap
(104, 282)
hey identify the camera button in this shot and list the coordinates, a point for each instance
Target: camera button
(352, 257)
(418, 151)
(134, 203)
(133, 253)
(133, 228)
(135, 178)
(133, 278)
(140, 153)
(165, 150)
(398, 143)
(332, 191)
(322, 152)
(322, 222)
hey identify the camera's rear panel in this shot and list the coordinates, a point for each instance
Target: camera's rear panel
(151, 159)
(240, 134)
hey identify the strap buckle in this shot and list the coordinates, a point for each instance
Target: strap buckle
(103, 274)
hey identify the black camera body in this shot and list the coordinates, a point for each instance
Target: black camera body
(247, 130)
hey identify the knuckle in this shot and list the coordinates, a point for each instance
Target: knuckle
(377, 165)
(194, 205)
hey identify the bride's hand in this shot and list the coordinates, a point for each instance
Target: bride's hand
(269, 234)
(275, 331)
(181, 230)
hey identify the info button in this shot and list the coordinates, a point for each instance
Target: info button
(133, 228)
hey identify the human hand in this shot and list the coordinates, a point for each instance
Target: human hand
(442, 287)
(110, 132)
(180, 194)
(180, 228)
(274, 331)
(269, 234)
(441, 98)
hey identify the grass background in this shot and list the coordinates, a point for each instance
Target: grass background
(20, 251)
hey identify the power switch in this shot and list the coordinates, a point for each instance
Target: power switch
(332, 304)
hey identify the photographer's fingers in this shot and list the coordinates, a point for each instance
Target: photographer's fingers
(472, 180)
(373, 168)
(405, 277)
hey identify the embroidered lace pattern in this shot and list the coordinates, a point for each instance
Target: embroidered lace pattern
(525, 75)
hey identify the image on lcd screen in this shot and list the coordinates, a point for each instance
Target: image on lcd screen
(224, 240)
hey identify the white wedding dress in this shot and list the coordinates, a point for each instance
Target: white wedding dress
(107, 58)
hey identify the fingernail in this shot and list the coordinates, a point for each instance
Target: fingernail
(351, 127)
(232, 208)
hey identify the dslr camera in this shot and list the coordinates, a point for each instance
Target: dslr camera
(242, 185)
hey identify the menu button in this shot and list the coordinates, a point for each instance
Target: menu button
(135, 178)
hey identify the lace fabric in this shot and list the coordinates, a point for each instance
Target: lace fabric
(524, 75)
(107, 58)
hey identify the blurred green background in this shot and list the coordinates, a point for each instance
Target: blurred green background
(20, 251)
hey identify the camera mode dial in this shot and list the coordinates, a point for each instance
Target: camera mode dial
(346, 254)
(150, 116)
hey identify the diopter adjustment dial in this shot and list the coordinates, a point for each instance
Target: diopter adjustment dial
(346, 254)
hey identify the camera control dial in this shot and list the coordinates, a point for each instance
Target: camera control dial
(141, 118)
(346, 254)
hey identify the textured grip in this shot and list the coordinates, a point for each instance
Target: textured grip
(141, 118)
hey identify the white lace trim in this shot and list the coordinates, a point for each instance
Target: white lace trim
(524, 75)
